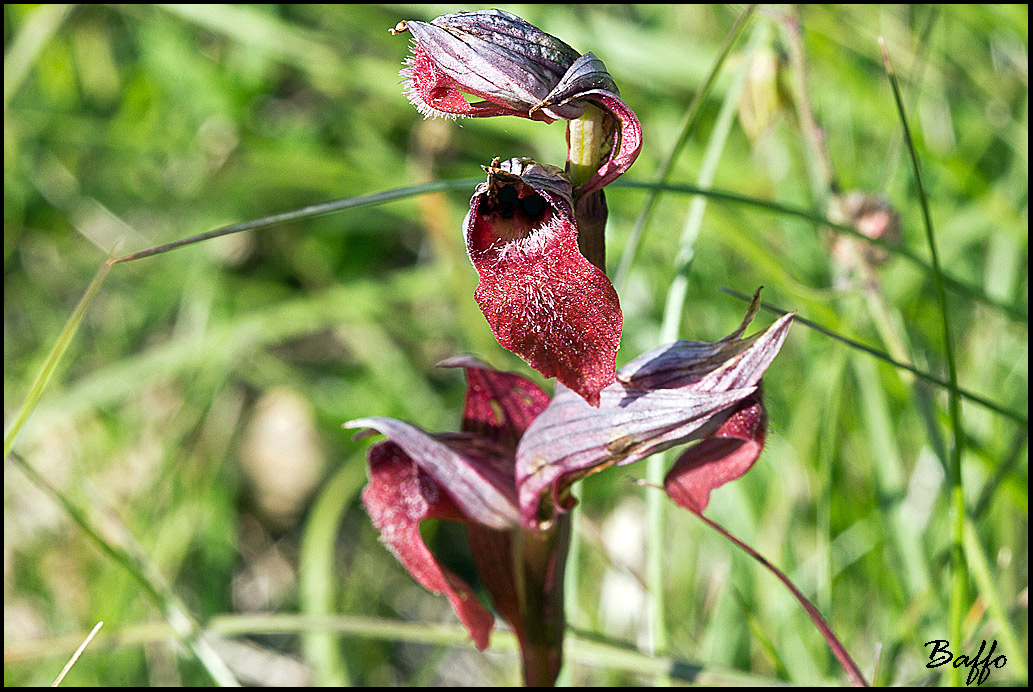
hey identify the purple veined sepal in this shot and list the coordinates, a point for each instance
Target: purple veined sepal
(490, 54)
(541, 297)
(682, 392)
(588, 81)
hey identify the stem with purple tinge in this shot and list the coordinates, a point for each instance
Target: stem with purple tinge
(852, 671)
(542, 556)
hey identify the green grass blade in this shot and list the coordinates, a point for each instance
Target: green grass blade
(957, 500)
(972, 292)
(27, 43)
(592, 650)
(180, 620)
(881, 355)
(57, 352)
(685, 130)
(656, 466)
(988, 589)
(308, 212)
(319, 209)
(316, 571)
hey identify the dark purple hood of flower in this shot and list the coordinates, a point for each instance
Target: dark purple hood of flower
(517, 69)
(685, 391)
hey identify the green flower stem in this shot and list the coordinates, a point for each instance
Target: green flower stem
(571, 582)
(585, 138)
(317, 577)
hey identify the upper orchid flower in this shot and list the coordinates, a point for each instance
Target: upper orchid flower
(518, 70)
(543, 300)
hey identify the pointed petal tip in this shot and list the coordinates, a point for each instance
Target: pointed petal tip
(464, 361)
(366, 428)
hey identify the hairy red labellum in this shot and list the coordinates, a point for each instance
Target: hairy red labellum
(543, 300)
(399, 496)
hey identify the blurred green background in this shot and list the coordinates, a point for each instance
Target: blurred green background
(196, 417)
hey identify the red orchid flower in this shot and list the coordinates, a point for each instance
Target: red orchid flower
(469, 477)
(685, 391)
(518, 70)
(543, 300)
(515, 444)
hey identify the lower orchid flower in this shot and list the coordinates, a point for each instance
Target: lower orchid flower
(469, 477)
(515, 444)
(674, 394)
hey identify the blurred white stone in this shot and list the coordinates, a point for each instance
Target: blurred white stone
(280, 454)
(623, 602)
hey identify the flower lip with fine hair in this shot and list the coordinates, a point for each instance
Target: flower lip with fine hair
(543, 300)
(516, 69)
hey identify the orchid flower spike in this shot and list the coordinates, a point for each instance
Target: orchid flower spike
(515, 446)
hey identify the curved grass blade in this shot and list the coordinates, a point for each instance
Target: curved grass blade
(314, 210)
(316, 572)
(876, 353)
(852, 671)
(685, 130)
(308, 212)
(57, 352)
(990, 591)
(957, 501)
(179, 618)
(588, 649)
(959, 286)
(673, 311)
